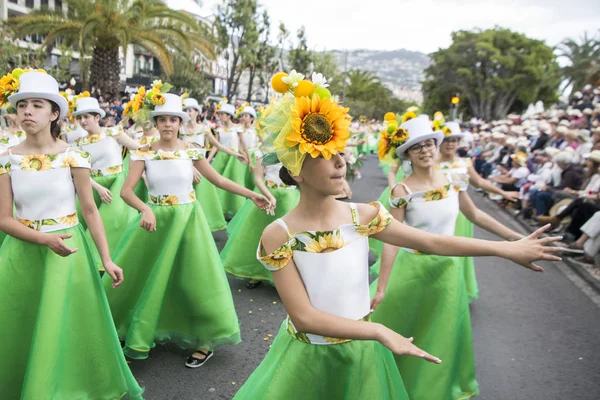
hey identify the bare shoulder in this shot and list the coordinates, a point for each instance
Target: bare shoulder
(399, 190)
(274, 236)
(367, 212)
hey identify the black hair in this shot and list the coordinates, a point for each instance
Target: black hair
(286, 178)
(54, 126)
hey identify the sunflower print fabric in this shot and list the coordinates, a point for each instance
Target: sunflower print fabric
(378, 224)
(169, 200)
(73, 158)
(51, 224)
(145, 154)
(91, 139)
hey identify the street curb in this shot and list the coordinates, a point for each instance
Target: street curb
(574, 265)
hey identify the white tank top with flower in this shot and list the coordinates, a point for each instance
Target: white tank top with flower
(433, 211)
(198, 137)
(229, 137)
(334, 267)
(250, 138)
(170, 174)
(43, 188)
(106, 152)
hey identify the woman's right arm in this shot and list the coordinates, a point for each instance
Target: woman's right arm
(392, 175)
(308, 319)
(136, 170)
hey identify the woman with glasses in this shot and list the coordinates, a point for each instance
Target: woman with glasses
(449, 162)
(425, 295)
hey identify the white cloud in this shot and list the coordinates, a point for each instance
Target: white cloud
(426, 25)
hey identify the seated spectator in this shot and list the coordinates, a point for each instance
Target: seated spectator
(571, 139)
(538, 180)
(571, 177)
(589, 241)
(516, 176)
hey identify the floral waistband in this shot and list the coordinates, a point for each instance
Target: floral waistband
(51, 224)
(309, 338)
(106, 171)
(168, 200)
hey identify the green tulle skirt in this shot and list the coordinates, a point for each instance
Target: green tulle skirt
(2, 236)
(249, 178)
(357, 370)
(207, 196)
(58, 340)
(426, 299)
(375, 245)
(175, 288)
(464, 228)
(231, 168)
(244, 231)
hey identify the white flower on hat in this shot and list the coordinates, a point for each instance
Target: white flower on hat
(319, 80)
(293, 78)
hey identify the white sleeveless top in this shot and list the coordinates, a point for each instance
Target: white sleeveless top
(229, 137)
(460, 166)
(170, 174)
(196, 137)
(9, 139)
(43, 189)
(433, 211)
(107, 153)
(250, 138)
(334, 267)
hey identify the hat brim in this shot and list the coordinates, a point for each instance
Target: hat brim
(250, 114)
(184, 117)
(455, 135)
(60, 101)
(225, 112)
(437, 135)
(89, 111)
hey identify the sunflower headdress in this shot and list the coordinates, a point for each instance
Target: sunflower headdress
(240, 110)
(144, 102)
(9, 84)
(304, 121)
(392, 137)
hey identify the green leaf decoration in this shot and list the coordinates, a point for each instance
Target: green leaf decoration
(49, 222)
(166, 87)
(52, 157)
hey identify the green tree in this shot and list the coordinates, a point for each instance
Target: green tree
(300, 57)
(584, 61)
(101, 27)
(187, 79)
(237, 29)
(493, 70)
(282, 36)
(262, 60)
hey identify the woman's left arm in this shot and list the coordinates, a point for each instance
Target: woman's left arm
(484, 220)
(479, 182)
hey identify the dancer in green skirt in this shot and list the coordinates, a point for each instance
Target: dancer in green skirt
(105, 146)
(327, 348)
(250, 142)
(424, 295)
(244, 230)
(229, 161)
(449, 161)
(58, 340)
(178, 291)
(195, 131)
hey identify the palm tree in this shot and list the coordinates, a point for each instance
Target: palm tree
(102, 27)
(584, 60)
(361, 84)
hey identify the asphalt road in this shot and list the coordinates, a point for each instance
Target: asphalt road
(536, 336)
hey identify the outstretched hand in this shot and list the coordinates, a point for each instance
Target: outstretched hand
(402, 346)
(261, 202)
(530, 249)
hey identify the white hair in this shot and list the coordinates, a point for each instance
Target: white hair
(564, 158)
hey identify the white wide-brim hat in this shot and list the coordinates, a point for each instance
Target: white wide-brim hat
(38, 85)
(250, 111)
(173, 106)
(191, 103)
(227, 109)
(86, 105)
(419, 130)
(455, 130)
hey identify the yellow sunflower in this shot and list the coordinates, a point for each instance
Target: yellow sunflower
(69, 220)
(169, 201)
(158, 99)
(326, 243)
(446, 130)
(399, 137)
(69, 162)
(94, 138)
(279, 258)
(436, 194)
(142, 153)
(408, 116)
(384, 145)
(456, 188)
(382, 221)
(169, 156)
(36, 163)
(114, 170)
(27, 223)
(333, 340)
(319, 127)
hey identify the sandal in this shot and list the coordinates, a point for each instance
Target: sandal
(195, 362)
(253, 284)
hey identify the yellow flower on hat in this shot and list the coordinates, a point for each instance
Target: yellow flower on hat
(319, 127)
(408, 116)
(389, 116)
(9, 85)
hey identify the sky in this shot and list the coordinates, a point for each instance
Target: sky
(424, 25)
